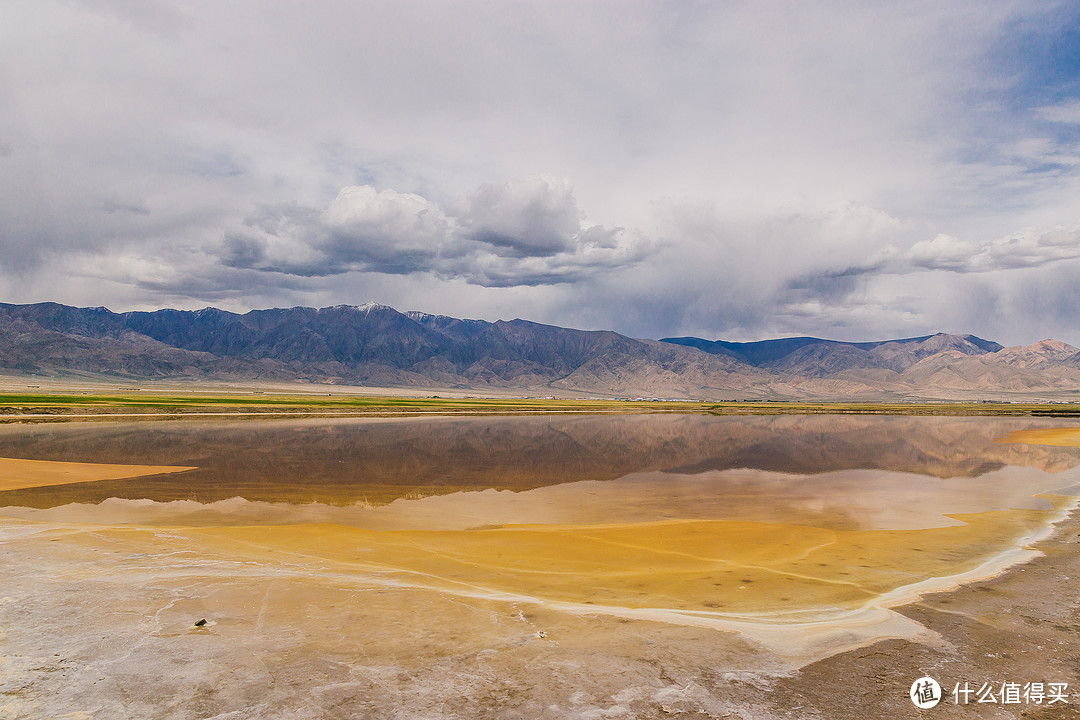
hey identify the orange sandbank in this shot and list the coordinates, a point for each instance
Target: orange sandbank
(1062, 437)
(16, 473)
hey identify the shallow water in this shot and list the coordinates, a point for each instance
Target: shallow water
(347, 551)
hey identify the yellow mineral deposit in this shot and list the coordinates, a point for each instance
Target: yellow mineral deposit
(801, 590)
(16, 473)
(1060, 436)
(723, 570)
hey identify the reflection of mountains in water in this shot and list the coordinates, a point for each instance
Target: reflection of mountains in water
(349, 461)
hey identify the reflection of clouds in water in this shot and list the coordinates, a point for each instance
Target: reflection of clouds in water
(848, 500)
(852, 499)
(342, 462)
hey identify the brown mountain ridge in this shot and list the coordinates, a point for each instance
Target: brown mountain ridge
(375, 345)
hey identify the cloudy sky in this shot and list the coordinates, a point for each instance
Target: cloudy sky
(738, 170)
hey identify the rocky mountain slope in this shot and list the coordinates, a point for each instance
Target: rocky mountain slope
(379, 346)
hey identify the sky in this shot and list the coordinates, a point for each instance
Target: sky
(730, 170)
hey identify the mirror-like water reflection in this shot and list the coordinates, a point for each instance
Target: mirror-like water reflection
(343, 462)
(798, 532)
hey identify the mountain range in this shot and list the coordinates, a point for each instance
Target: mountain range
(375, 345)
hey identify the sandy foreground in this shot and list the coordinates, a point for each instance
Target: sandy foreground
(326, 612)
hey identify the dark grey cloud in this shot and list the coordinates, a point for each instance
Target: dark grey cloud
(112, 206)
(526, 232)
(831, 286)
(537, 217)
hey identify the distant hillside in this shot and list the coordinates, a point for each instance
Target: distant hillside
(815, 357)
(376, 345)
(370, 344)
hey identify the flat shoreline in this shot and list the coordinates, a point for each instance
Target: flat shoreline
(1020, 625)
(44, 407)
